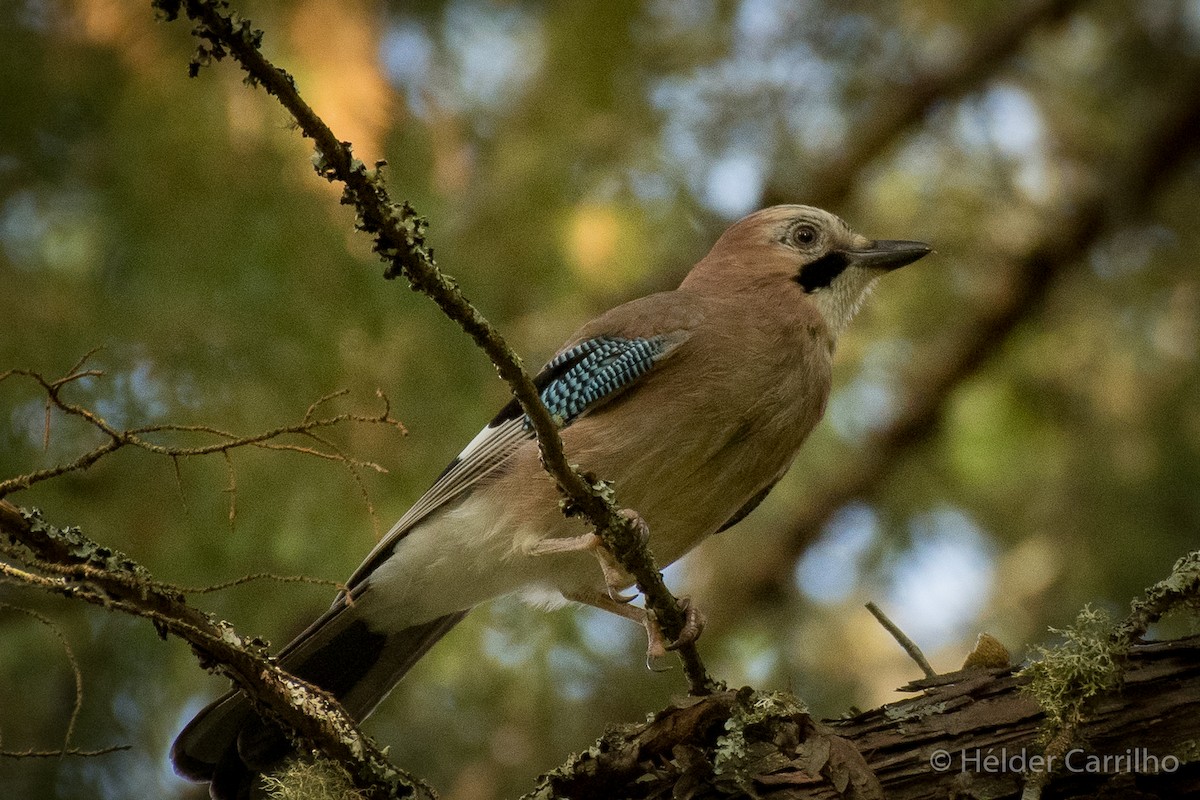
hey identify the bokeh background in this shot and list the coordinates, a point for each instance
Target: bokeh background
(1015, 429)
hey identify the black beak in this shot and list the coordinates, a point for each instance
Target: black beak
(888, 254)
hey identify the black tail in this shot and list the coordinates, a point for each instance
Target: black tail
(226, 744)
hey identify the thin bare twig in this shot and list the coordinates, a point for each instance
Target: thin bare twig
(320, 401)
(910, 647)
(179, 483)
(102, 751)
(135, 437)
(352, 466)
(75, 670)
(231, 490)
(258, 576)
(83, 359)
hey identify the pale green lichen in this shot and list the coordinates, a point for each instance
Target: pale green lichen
(1179, 590)
(584, 761)
(903, 713)
(80, 549)
(1063, 678)
(1187, 751)
(318, 779)
(740, 753)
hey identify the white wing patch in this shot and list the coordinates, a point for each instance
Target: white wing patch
(490, 448)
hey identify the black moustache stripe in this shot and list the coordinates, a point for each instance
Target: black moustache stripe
(821, 272)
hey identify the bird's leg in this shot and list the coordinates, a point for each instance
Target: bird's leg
(614, 577)
(657, 645)
(693, 620)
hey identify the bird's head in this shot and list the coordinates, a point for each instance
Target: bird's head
(802, 251)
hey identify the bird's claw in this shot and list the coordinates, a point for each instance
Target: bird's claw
(657, 645)
(614, 576)
(618, 596)
(639, 524)
(652, 662)
(615, 579)
(693, 624)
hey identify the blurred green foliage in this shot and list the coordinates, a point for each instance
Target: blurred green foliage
(570, 156)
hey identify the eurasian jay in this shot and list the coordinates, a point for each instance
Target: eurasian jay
(692, 402)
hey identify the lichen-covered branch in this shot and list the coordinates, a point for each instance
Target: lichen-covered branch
(110, 579)
(399, 234)
(1092, 661)
(967, 734)
(732, 744)
(1180, 589)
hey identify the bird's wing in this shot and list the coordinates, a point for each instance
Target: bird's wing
(577, 381)
(749, 506)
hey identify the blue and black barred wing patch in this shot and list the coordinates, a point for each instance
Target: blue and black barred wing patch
(589, 374)
(574, 382)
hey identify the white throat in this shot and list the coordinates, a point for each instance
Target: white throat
(840, 301)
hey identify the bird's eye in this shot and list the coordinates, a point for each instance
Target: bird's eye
(805, 234)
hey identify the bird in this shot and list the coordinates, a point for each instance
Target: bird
(693, 403)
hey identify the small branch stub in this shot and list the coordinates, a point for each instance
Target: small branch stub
(901, 637)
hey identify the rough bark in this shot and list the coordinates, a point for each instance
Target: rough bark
(749, 744)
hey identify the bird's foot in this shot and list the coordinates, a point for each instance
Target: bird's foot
(693, 624)
(643, 530)
(658, 646)
(615, 579)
